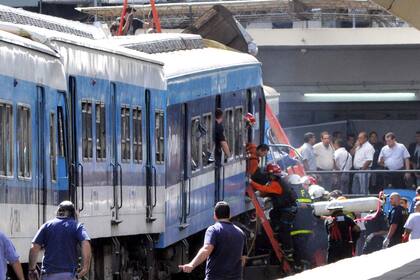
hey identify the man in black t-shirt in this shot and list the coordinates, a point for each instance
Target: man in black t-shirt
(219, 138)
(396, 217)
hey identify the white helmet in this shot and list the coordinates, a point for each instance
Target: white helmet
(316, 191)
(294, 179)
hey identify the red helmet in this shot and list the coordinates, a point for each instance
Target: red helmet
(273, 168)
(250, 119)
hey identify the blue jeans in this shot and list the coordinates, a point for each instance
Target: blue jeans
(58, 276)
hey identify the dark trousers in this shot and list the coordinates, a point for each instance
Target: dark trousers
(303, 248)
(282, 226)
(339, 251)
(394, 180)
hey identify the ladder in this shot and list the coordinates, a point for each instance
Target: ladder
(268, 230)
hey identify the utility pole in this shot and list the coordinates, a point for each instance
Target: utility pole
(40, 6)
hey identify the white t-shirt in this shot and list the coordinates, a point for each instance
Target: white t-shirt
(394, 157)
(324, 156)
(362, 154)
(343, 159)
(413, 224)
(307, 153)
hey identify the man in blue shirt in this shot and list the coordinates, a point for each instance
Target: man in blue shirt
(59, 238)
(8, 255)
(223, 248)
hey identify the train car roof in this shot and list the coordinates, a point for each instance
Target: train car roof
(39, 64)
(19, 16)
(88, 57)
(184, 54)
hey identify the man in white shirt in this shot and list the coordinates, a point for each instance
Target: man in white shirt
(363, 153)
(324, 155)
(307, 152)
(412, 225)
(343, 162)
(394, 156)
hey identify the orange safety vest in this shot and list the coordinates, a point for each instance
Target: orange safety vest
(272, 187)
(252, 158)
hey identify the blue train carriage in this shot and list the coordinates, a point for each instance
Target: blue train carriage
(199, 80)
(33, 147)
(116, 118)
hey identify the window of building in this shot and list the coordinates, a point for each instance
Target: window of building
(100, 131)
(53, 154)
(138, 135)
(207, 140)
(159, 137)
(87, 144)
(239, 132)
(24, 141)
(60, 132)
(6, 139)
(195, 143)
(229, 129)
(125, 134)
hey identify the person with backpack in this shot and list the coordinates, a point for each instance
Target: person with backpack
(343, 234)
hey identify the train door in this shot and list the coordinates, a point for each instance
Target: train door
(185, 179)
(155, 152)
(92, 172)
(52, 174)
(218, 180)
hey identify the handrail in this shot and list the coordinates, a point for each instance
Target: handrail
(121, 185)
(82, 185)
(154, 186)
(113, 185)
(380, 171)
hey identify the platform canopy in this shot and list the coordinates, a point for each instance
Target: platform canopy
(176, 13)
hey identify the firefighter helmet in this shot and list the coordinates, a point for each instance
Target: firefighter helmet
(250, 119)
(273, 168)
(308, 181)
(294, 179)
(317, 192)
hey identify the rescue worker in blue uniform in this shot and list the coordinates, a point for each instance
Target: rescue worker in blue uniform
(343, 234)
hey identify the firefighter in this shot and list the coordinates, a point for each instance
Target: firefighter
(343, 234)
(283, 213)
(304, 222)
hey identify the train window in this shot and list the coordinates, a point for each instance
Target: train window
(53, 161)
(125, 134)
(239, 132)
(138, 135)
(24, 141)
(207, 140)
(87, 130)
(6, 139)
(229, 129)
(195, 143)
(60, 132)
(100, 131)
(159, 137)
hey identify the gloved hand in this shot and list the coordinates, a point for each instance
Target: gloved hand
(369, 237)
(385, 244)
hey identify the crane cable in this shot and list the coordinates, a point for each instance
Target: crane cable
(122, 19)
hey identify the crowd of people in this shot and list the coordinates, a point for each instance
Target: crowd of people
(337, 154)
